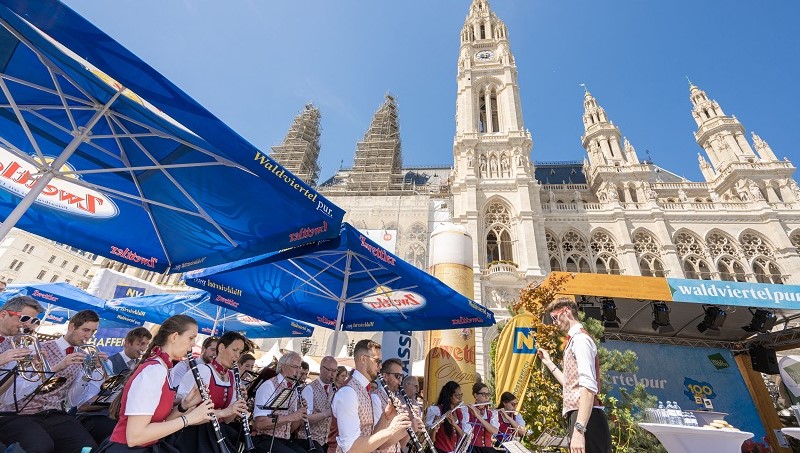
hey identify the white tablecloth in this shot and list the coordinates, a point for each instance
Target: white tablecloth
(793, 432)
(688, 439)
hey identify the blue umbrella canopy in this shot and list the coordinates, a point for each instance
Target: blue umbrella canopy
(212, 319)
(62, 300)
(100, 151)
(347, 283)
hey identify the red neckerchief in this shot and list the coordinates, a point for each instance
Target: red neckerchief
(220, 369)
(2, 339)
(158, 352)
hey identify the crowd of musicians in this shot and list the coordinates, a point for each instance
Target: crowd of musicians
(153, 396)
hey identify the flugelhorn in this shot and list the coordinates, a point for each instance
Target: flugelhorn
(34, 367)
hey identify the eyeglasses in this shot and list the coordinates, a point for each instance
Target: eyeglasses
(398, 376)
(483, 393)
(25, 318)
(330, 370)
(376, 359)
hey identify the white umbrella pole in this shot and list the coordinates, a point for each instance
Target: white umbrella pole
(49, 174)
(216, 321)
(342, 303)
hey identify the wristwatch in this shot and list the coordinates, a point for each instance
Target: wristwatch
(580, 427)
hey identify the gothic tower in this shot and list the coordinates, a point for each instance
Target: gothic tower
(494, 192)
(299, 152)
(377, 167)
(602, 137)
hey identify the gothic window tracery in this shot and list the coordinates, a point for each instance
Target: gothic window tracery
(730, 270)
(648, 252)
(497, 224)
(574, 253)
(604, 250)
(721, 244)
(795, 238)
(766, 271)
(754, 245)
(415, 241)
(693, 254)
(762, 256)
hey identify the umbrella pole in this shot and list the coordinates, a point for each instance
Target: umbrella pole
(342, 303)
(216, 321)
(55, 166)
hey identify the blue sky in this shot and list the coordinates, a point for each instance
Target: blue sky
(255, 63)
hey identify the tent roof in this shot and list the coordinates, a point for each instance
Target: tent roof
(687, 299)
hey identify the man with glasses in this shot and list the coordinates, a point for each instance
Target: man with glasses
(318, 396)
(17, 313)
(272, 429)
(392, 372)
(359, 428)
(580, 380)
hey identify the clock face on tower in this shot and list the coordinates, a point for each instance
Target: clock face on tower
(484, 55)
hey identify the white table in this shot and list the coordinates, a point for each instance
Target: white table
(793, 432)
(688, 439)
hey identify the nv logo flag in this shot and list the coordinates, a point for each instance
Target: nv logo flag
(524, 340)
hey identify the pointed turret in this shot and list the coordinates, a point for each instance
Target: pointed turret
(720, 135)
(705, 168)
(299, 152)
(601, 139)
(377, 167)
(764, 150)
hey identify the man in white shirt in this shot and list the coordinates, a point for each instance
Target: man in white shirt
(47, 409)
(580, 380)
(360, 429)
(19, 312)
(136, 341)
(272, 430)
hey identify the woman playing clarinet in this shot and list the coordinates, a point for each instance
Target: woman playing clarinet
(145, 410)
(217, 377)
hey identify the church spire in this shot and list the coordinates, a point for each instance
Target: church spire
(299, 152)
(602, 137)
(721, 136)
(377, 166)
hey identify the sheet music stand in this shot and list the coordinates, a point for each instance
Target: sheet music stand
(280, 402)
(515, 446)
(14, 373)
(550, 442)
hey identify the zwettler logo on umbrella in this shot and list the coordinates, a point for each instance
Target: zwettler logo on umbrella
(387, 300)
(18, 176)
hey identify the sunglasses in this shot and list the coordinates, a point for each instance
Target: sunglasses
(25, 318)
(398, 376)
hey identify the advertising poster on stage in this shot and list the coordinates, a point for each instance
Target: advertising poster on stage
(679, 373)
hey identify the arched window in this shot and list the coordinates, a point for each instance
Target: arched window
(730, 270)
(604, 250)
(495, 111)
(687, 244)
(415, 242)
(766, 271)
(696, 268)
(483, 125)
(754, 245)
(497, 223)
(648, 251)
(574, 250)
(553, 251)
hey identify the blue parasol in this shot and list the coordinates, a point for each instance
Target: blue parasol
(347, 283)
(100, 151)
(212, 319)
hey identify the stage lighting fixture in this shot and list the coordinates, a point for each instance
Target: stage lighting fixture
(590, 309)
(763, 320)
(713, 320)
(661, 322)
(609, 312)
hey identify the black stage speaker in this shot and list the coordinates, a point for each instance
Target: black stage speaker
(764, 360)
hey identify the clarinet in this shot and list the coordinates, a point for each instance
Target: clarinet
(306, 425)
(393, 399)
(223, 447)
(248, 441)
(410, 405)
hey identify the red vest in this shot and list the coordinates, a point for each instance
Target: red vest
(163, 409)
(482, 437)
(221, 395)
(443, 441)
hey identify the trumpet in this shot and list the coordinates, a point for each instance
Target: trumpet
(93, 364)
(34, 367)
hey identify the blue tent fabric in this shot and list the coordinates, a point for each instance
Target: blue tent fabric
(62, 300)
(376, 290)
(141, 172)
(212, 319)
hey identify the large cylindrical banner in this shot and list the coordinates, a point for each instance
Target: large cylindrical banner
(450, 354)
